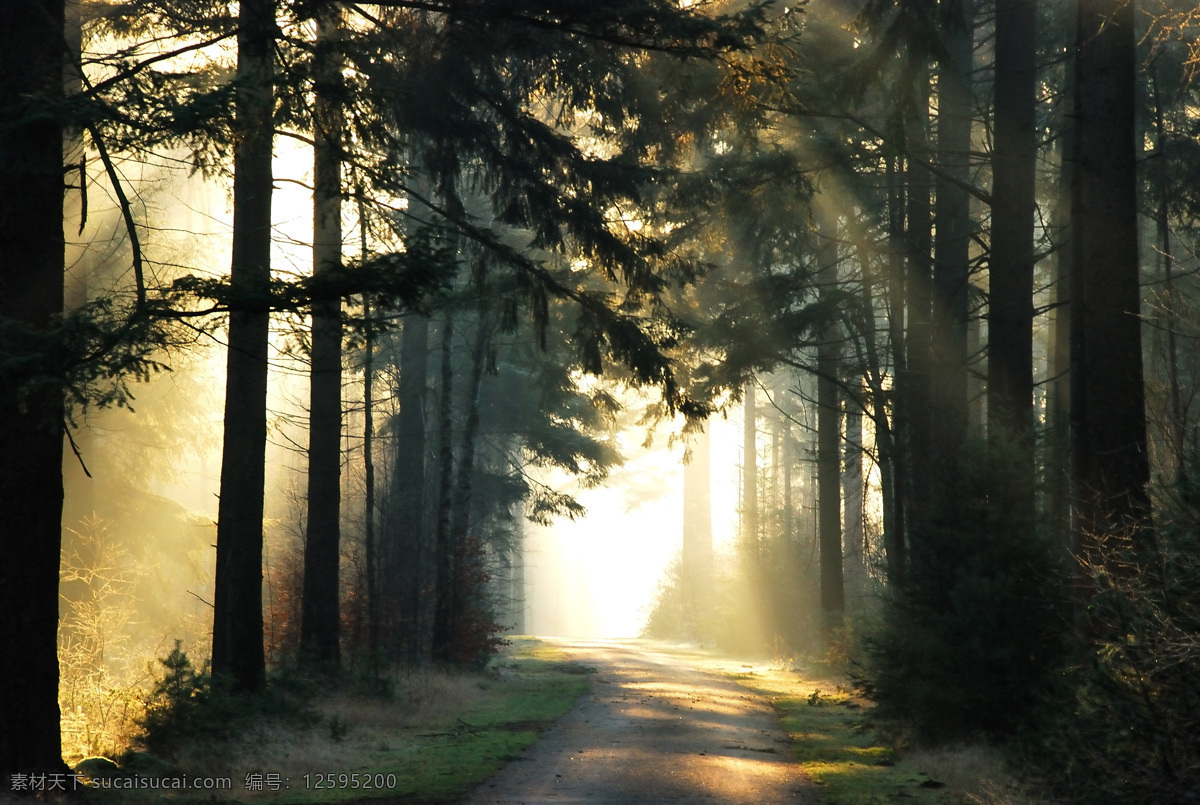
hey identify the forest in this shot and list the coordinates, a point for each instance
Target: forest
(314, 312)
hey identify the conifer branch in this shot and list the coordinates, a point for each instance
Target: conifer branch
(95, 89)
(686, 45)
(932, 167)
(75, 449)
(135, 244)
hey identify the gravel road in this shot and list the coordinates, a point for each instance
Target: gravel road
(655, 727)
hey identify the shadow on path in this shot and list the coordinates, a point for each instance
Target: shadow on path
(655, 727)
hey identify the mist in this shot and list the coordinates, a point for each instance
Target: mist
(359, 364)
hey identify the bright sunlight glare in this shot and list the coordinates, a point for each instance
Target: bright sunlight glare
(597, 576)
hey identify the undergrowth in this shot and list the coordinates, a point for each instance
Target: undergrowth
(187, 705)
(432, 737)
(851, 763)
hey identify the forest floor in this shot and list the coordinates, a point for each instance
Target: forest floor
(558, 720)
(434, 737)
(672, 723)
(657, 726)
(850, 762)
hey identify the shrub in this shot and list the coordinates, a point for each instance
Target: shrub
(189, 704)
(100, 688)
(179, 706)
(970, 642)
(476, 635)
(1131, 732)
(669, 617)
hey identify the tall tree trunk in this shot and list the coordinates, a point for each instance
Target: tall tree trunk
(369, 507)
(951, 264)
(920, 321)
(1169, 304)
(466, 599)
(750, 477)
(443, 548)
(697, 532)
(1058, 389)
(788, 457)
(370, 504)
(876, 395)
(31, 426)
(320, 619)
(976, 375)
(901, 467)
(852, 496)
(237, 606)
(1110, 466)
(829, 437)
(517, 588)
(464, 481)
(405, 546)
(1010, 310)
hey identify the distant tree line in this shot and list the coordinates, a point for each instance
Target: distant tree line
(983, 234)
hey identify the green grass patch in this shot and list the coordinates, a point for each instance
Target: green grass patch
(435, 738)
(844, 759)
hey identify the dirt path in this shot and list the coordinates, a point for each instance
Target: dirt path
(655, 727)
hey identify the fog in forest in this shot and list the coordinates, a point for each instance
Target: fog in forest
(145, 517)
(346, 349)
(597, 576)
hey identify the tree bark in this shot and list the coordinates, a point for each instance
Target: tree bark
(237, 606)
(920, 322)
(1110, 465)
(951, 264)
(697, 531)
(877, 395)
(443, 548)
(1010, 276)
(852, 497)
(466, 592)
(369, 508)
(1058, 390)
(464, 481)
(829, 441)
(750, 477)
(517, 587)
(1176, 429)
(896, 537)
(405, 549)
(31, 421)
(320, 612)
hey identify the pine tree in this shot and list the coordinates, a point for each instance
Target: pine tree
(31, 412)
(1110, 466)
(829, 431)
(951, 263)
(237, 606)
(1010, 275)
(320, 624)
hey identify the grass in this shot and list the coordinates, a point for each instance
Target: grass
(438, 735)
(851, 765)
(435, 738)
